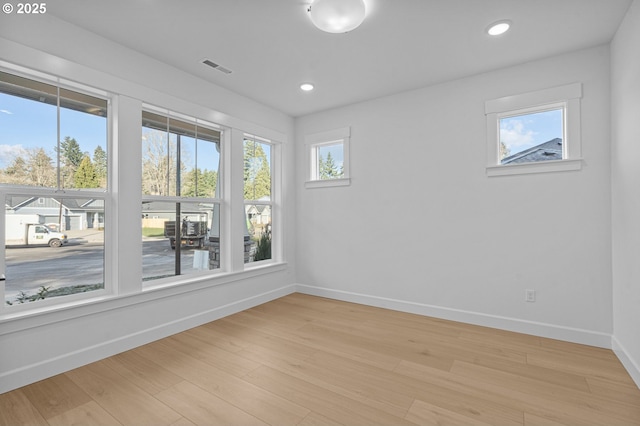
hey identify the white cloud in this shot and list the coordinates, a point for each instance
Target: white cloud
(515, 136)
(6, 111)
(9, 152)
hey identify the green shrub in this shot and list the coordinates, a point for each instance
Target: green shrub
(263, 247)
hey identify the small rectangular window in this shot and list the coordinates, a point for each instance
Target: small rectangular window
(534, 132)
(328, 158)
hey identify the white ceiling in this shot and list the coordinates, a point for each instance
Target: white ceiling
(271, 45)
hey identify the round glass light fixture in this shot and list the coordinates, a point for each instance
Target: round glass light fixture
(307, 87)
(498, 28)
(337, 16)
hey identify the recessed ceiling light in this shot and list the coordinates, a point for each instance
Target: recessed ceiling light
(498, 28)
(307, 87)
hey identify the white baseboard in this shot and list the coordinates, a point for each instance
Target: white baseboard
(632, 367)
(14, 379)
(569, 334)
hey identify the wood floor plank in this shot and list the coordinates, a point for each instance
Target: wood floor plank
(315, 419)
(211, 354)
(89, 414)
(417, 353)
(55, 396)
(580, 364)
(183, 422)
(358, 386)
(424, 413)
(528, 371)
(369, 385)
(543, 398)
(203, 408)
(615, 391)
(254, 400)
(145, 374)
(121, 398)
(318, 399)
(469, 399)
(533, 420)
(312, 343)
(209, 334)
(16, 409)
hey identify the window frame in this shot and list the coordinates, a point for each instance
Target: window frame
(566, 97)
(271, 203)
(104, 194)
(179, 279)
(318, 140)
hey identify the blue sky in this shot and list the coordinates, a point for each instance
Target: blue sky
(525, 131)
(28, 124)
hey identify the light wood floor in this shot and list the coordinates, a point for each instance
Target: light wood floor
(304, 360)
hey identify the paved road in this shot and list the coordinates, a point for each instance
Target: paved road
(80, 262)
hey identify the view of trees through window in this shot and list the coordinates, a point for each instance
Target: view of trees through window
(330, 161)
(167, 143)
(52, 139)
(32, 154)
(257, 190)
(181, 159)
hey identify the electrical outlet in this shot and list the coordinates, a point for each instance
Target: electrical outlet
(530, 295)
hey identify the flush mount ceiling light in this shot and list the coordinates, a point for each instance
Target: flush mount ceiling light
(307, 87)
(498, 28)
(337, 16)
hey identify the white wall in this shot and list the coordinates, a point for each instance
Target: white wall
(422, 229)
(55, 340)
(625, 114)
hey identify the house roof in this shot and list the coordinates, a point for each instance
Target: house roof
(550, 150)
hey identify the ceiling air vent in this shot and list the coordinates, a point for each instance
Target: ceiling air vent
(216, 66)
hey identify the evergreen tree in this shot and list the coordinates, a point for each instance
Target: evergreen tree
(206, 183)
(330, 168)
(70, 158)
(71, 154)
(321, 167)
(100, 165)
(86, 176)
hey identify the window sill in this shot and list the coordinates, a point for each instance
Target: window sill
(537, 167)
(327, 183)
(19, 321)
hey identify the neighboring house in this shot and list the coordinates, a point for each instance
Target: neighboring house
(155, 213)
(73, 214)
(258, 218)
(550, 150)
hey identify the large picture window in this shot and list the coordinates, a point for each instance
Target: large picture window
(181, 195)
(53, 181)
